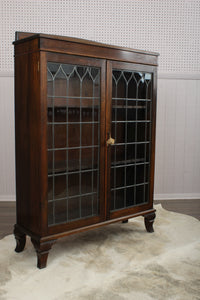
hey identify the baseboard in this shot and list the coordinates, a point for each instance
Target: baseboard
(186, 196)
(8, 198)
(9, 73)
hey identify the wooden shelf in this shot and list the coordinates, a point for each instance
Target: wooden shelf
(71, 102)
(129, 161)
(73, 167)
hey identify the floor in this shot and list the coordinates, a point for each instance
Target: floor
(189, 207)
(8, 216)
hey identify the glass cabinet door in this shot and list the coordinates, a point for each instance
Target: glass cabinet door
(73, 134)
(130, 127)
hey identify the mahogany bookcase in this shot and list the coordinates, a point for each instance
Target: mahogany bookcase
(85, 116)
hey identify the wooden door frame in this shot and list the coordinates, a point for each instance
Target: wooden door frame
(140, 68)
(78, 60)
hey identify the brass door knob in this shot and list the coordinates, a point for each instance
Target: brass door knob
(110, 141)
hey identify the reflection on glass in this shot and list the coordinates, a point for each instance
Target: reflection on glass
(131, 129)
(73, 135)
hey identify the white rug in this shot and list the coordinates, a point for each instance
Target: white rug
(119, 261)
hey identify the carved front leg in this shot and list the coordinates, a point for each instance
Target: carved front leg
(20, 239)
(148, 221)
(42, 250)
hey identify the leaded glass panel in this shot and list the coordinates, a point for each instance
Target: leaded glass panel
(131, 129)
(73, 136)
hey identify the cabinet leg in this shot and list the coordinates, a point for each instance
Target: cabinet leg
(148, 221)
(42, 250)
(125, 221)
(20, 239)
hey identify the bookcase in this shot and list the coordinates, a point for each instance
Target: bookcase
(85, 116)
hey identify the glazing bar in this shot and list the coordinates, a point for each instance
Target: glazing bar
(73, 123)
(145, 138)
(135, 171)
(125, 158)
(67, 158)
(129, 186)
(53, 162)
(132, 143)
(131, 99)
(92, 143)
(133, 121)
(73, 172)
(73, 97)
(131, 165)
(115, 149)
(72, 148)
(80, 152)
(99, 140)
(74, 196)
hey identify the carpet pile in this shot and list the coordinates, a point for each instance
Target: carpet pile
(118, 261)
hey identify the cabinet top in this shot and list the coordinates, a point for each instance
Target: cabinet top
(21, 36)
(54, 40)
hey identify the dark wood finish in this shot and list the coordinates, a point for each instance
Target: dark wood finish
(46, 219)
(148, 221)
(20, 239)
(42, 250)
(108, 133)
(57, 44)
(29, 141)
(22, 35)
(145, 68)
(190, 207)
(29, 36)
(97, 51)
(60, 234)
(97, 63)
(153, 137)
(125, 221)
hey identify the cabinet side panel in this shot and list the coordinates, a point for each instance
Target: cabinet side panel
(36, 183)
(28, 133)
(22, 156)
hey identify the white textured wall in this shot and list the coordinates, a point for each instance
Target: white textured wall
(178, 139)
(7, 142)
(169, 27)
